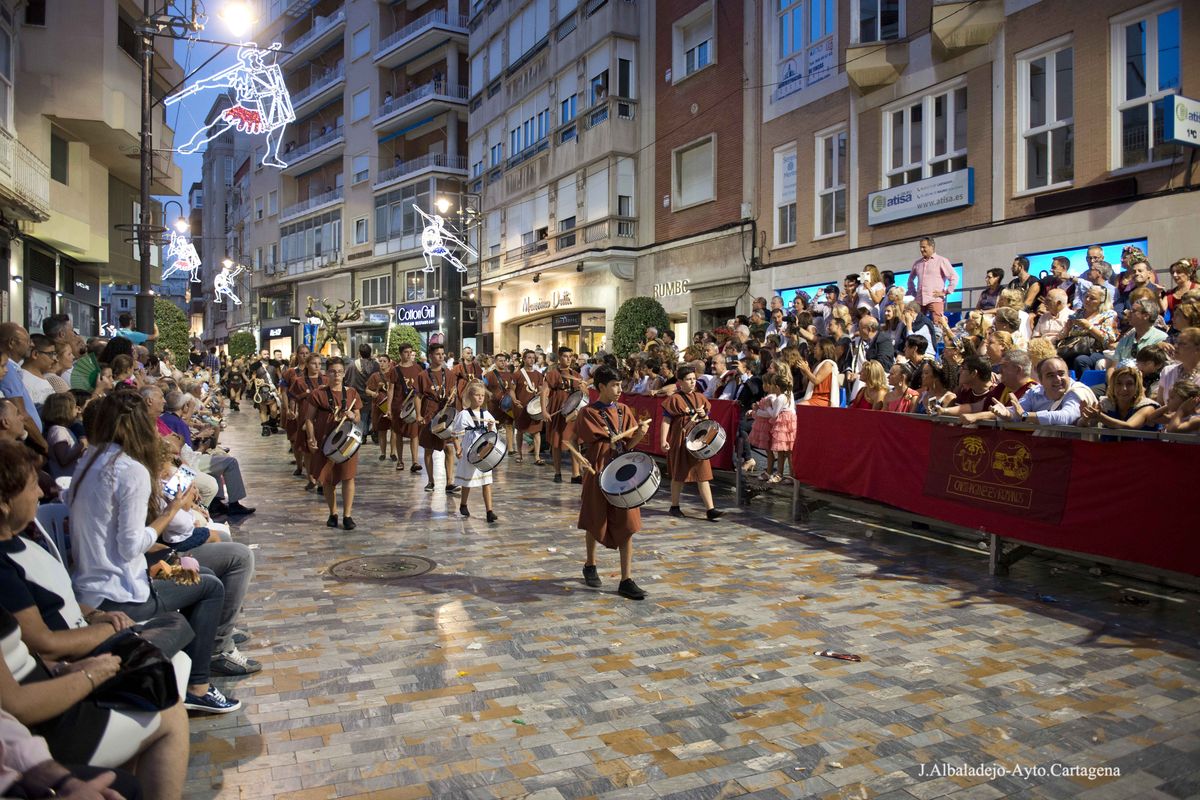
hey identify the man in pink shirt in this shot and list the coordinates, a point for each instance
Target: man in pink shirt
(932, 280)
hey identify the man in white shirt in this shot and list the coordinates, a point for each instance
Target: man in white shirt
(39, 361)
(1056, 400)
(1050, 324)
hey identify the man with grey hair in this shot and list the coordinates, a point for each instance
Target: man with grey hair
(1053, 321)
(1056, 400)
(1016, 380)
(932, 279)
(1143, 313)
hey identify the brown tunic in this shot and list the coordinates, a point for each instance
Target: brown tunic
(435, 390)
(526, 423)
(498, 384)
(378, 382)
(464, 373)
(681, 466)
(611, 526)
(320, 408)
(404, 379)
(562, 383)
(300, 388)
(289, 424)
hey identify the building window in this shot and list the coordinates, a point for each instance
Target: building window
(693, 42)
(257, 259)
(420, 285)
(804, 42)
(258, 208)
(926, 137)
(1046, 105)
(376, 291)
(360, 231)
(831, 183)
(693, 170)
(123, 303)
(394, 213)
(272, 203)
(1146, 67)
(785, 196)
(59, 158)
(360, 105)
(568, 110)
(228, 170)
(273, 255)
(360, 42)
(35, 12)
(361, 167)
(497, 154)
(878, 20)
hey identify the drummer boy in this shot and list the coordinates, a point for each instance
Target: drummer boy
(682, 411)
(609, 429)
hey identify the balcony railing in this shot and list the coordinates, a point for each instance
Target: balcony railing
(622, 107)
(313, 145)
(311, 203)
(25, 176)
(436, 17)
(299, 266)
(431, 89)
(319, 85)
(430, 160)
(320, 26)
(528, 153)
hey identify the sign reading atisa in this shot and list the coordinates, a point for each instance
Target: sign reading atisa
(1182, 120)
(928, 196)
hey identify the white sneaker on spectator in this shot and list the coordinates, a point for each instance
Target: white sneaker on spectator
(232, 663)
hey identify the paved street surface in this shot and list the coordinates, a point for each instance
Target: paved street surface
(499, 674)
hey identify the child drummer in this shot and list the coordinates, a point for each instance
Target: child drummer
(608, 428)
(471, 423)
(682, 410)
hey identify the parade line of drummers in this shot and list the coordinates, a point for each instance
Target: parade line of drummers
(474, 415)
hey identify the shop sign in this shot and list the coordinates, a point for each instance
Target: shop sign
(529, 305)
(929, 196)
(377, 317)
(1183, 120)
(821, 61)
(566, 321)
(672, 288)
(277, 332)
(418, 315)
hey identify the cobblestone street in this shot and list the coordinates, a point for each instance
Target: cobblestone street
(499, 674)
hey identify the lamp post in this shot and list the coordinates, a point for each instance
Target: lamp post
(471, 217)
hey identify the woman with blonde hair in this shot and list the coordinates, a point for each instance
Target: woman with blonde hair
(1039, 350)
(875, 387)
(996, 345)
(1124, 405)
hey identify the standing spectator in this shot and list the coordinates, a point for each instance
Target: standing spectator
(821, 376)
(1029, 286)
(932, 279)
(40, 360)
(125, 329)
(990, 295)
(359, 371)
(213, 364)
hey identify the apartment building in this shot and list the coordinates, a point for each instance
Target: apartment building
(73, 100)
(560, 125)
(1001, 128)
(380, 97)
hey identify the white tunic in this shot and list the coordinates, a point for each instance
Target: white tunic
(469, 426)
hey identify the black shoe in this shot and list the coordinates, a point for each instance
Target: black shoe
(627, 588)
(332, 521)
(217, 506)
(590, 576)
(321, 489)
(675, 511)
(451, 488)
(236, 509)
(491, 516)
(266, 430)
(429, 486)
(393, 456)
(383, 456)
(310, 486)
(558, 478)
(415, 468)
(714, 514)
(297, 472)
(464, 511)
(348, 523)
(577, 479)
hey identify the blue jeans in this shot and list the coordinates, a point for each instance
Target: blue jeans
(200, 604)
(1086, 361)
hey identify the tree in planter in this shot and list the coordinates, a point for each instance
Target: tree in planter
(173, 332)
(241, 345)
(400, 335)
(629, 326)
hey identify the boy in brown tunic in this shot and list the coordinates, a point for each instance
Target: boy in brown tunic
(403, 383)
(681, 411)
(560, 382)
(527, 384)
(599, 426)
(306, 380)
(378, 388)
(325, 408)
(435, 389)
(499, 382)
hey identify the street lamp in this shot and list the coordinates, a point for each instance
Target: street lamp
(180, 224)
(472, 220)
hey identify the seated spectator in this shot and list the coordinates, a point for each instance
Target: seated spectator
(1150, 361)
(869, 345)
(998, 343)
(59, 415)
(935, 391)
(1015, 299)
(1187, 370)
(820, 373)
(1053, 321)
(122, 371)
(16, 344)
(1009, 320)
(1015, 380)
(1124, 406)
(37, 364)
(901, 397)
(989, 298)
(1183, 277)
(1056, 400)
(55, 703)
(1186, 313)
(916, 353)
(1089, 332)
(975, 382)
(874, 387)
(1143, 313)
(1181, 414)
(917, 324)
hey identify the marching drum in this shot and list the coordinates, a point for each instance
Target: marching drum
(705, 440)
(343, 442)
(487, 452)
(442, 421)
(408, 411)
(534, 408)
(571, 406)
(630, 480)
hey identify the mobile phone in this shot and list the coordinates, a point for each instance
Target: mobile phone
(178, 483)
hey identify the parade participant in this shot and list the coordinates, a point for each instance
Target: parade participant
(471, 423)
(681, 411)
(608, 428)
(264, 379)
(300, 388)
(403, 382)
(235, 383)
(284, 372)
(378, 388)
(467, 369)
(558, 385)
(435, 389)
(499, 382)
(527, 384)
(326, 407)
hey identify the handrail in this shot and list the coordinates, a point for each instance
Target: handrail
(438, 16)
(319, 29)
(319, 85)
(311, 203)
(313, 145)
(458, 92)
(421, 162)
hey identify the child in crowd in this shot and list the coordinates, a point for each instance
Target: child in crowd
(59, 414)
(122, 371)
(783, 425)
(471, 423)
(760, 432)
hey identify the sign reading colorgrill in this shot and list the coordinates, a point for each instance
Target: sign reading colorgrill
(418, 315)
(1182, 120)
(928, 196)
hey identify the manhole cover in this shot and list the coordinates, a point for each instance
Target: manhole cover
(381, 568)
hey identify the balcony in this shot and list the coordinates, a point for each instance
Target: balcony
(319, 91)
(418, 36)
(876, 64)
(314, 152)
(423, 102)
(324, 32)
(432, 162)
(599, 235)
(312, 205)
(24, 180)
(958, 25)
(282, 271)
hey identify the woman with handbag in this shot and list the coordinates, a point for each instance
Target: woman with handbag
(59, 700)
(1091, 331)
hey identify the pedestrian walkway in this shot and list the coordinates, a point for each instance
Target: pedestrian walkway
(499, 674)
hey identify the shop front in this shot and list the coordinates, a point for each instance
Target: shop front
(277, 337)
(564, 313)
(700, 285)
(371, 330)
(80, 297)
(425, 316)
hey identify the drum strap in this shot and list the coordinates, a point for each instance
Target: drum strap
(477, 422)
(528, 383)
(608, 423)
(441, 389)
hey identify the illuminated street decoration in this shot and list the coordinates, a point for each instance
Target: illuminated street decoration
(223, 282)
(264, 106)
(434, 239)
(182, 255)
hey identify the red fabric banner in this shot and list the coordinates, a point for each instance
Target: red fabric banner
(724, 412)
(1122, 500)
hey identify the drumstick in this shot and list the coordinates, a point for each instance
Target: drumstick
(583, 462)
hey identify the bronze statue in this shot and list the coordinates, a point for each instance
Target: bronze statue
(332, 319)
